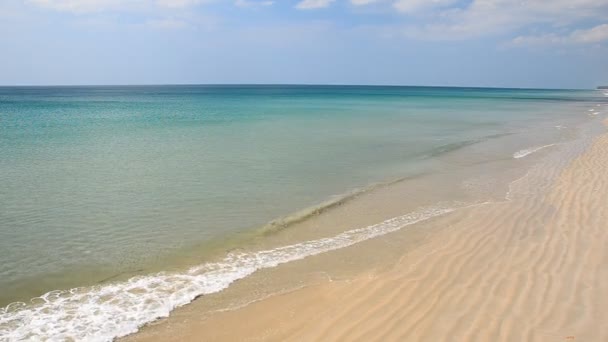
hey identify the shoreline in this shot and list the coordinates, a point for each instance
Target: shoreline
(298, 258)
(432, 289)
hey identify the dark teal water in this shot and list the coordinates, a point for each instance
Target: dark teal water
(101, 181)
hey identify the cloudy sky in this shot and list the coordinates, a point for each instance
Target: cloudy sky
(512, 43)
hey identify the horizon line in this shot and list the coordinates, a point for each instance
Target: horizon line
(280, 84)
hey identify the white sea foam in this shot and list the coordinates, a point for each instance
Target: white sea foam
(529, 151)
(105, 312)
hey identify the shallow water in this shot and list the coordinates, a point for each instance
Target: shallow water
(100, 183)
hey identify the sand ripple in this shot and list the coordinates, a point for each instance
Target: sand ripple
(532, 268)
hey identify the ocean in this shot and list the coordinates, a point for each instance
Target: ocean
(120, 203)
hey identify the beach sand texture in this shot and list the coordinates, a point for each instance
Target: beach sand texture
(531, 268)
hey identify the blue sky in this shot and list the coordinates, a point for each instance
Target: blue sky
(511, 43)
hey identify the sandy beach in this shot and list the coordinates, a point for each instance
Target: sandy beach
(305, 170)
(529, 268)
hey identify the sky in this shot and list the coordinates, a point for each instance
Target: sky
(497, 43)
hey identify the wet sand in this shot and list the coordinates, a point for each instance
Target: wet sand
(533, 267)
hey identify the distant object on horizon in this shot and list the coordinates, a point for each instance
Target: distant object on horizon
(602, 87)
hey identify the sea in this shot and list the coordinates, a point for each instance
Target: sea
(119, 204)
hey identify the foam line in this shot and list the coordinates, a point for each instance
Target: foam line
(105, 312)
(529, 151)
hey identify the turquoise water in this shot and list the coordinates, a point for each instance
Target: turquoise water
(97, 182)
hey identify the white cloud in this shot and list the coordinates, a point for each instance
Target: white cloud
(84, 6)
(313, 4)
(533, 21)
(89, 6)
(487, 17)
(593, 35)
(412, 6)
(250, 3)
(363, 2)
(178, 3)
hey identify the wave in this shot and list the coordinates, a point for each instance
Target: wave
(447, 148)
(529, 151)
(304, 214)
(451, 147)
(108, 311)
(337, 200)
(299, 216)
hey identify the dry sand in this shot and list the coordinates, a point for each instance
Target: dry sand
(533, 268)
